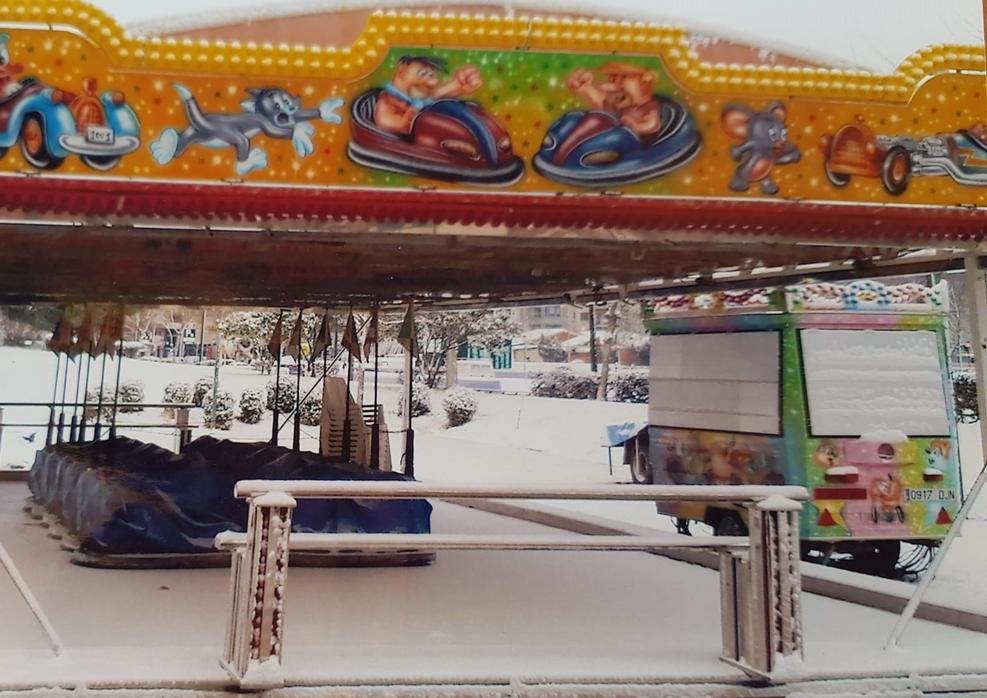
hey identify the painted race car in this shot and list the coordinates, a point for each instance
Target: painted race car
(50, 124)
(855, 150)
(450, 139)
(593, 149)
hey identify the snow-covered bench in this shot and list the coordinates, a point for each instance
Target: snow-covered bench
(760, 584)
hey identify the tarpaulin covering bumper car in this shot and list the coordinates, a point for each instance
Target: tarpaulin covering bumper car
(593, 149)
(450, 139)
(126, 498)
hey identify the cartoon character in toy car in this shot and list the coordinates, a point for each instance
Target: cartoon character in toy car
(417, 125)
(855, 150)
(630, 134)
(50, 124)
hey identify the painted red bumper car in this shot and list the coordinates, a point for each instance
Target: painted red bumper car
(450, 139)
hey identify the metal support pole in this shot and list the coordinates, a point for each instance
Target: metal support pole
(215, 385)
(98, 432)
(409, 433)
(202, 337)
(54, 397)
(976, 290)
(85, 400)
(277, 390)
(592, 339)
(255, 627)
(375, 436)
(116, 390)
(61, 413)
(930, 574)
(296, 437)
(74, 428)
(347, 424)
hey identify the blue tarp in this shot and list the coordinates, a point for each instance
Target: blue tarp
(124, 496)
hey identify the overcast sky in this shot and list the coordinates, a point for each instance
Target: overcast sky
(872, 34)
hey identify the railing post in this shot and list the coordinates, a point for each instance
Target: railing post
(183, 435)
(774, 611)
(259, 571)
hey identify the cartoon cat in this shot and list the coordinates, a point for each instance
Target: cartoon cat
(272, 111)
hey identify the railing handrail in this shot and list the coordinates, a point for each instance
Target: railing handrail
(106, 403)
(456, 541)
(320, 489)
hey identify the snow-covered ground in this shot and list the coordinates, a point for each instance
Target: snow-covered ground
(513, 438)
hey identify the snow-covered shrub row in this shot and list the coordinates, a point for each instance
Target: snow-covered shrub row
(203, 385)
(311, 410)
(131, 391)
(564, 383)
(286, 395)
(460, 406)
(421, 400)
(629, 387)
(222, 418)
(251, 405)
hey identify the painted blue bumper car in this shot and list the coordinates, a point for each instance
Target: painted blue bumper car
(593, 149)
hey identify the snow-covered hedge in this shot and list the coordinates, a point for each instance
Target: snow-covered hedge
(564, 383)
(177, 392)
(203, 385)
(251, 405)
(311, 410)
(421, 400)
(131, 391)
(286, 395)
(223, 417)
(460, 406)
(92, 401)
(965, 398)
(629, 387)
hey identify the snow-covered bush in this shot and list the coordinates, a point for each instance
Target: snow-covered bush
(203, 385)
(251, 405)
(92, 402)
(176, 393)
(286, 395)
(131, 391)
(311, 410)
(629, 387)
(421, 400)
(460, 406)
(965, 398)
(564, 383)
(222, 418)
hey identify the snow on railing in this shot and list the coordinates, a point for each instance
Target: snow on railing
(760, 582)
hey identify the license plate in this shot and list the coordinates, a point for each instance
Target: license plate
(930, 495)
(99, 135)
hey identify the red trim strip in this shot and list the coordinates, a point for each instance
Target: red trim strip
(864, 224)
(844, 493)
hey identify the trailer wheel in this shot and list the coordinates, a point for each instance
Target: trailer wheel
(641, 466)
(881, 557)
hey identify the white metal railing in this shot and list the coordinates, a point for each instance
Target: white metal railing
(760, 582)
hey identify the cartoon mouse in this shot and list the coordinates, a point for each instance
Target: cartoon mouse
(764, 144)
(272, 111)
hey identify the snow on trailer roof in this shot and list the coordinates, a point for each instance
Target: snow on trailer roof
(865, 295)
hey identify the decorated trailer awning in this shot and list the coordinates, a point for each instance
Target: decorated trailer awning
(458, 155)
